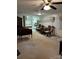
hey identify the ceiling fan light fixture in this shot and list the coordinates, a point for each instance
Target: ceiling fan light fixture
(47, 7)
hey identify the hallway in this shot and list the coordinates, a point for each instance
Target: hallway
(39, 47)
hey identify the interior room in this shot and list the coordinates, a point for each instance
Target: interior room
(39, 29)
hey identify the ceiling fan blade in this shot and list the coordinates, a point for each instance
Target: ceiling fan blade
(49, 0)
(53, 7)
(41, 5)
(44, 1)
(57, 3)
(42, 8)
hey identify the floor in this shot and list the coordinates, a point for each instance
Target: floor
(39, 47)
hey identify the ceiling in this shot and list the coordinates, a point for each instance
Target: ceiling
(32, 6)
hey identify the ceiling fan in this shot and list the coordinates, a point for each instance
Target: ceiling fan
(48, 4)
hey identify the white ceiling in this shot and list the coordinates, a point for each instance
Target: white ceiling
(31, 6)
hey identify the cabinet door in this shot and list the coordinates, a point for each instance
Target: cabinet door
(19, 21)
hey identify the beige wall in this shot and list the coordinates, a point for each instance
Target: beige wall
(47, 20)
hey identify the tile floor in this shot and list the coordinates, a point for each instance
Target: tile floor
(39, 47)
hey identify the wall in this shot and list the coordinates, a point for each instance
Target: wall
(48, 20)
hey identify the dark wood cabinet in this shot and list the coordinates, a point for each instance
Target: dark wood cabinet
(22, 30)
(19, 21)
